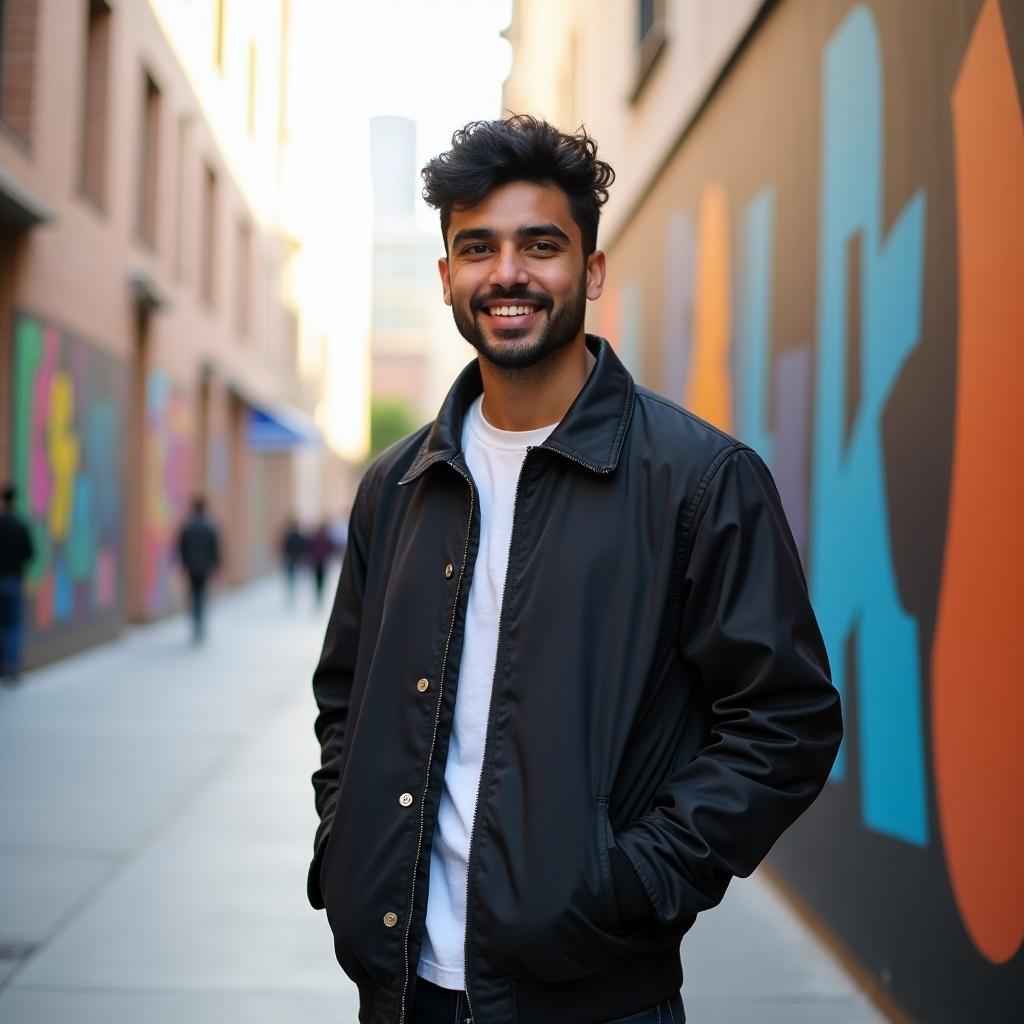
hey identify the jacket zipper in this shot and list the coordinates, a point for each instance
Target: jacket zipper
(487, 734)
(433, 738)
(490, 712)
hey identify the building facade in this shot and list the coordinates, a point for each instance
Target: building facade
(148, 339)
(416, 351)
(814, 241)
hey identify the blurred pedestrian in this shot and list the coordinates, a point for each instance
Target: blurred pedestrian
(319, 548)
(293, 545)
(199, 552)
(16, 552)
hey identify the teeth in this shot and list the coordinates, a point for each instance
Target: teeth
(511, 310)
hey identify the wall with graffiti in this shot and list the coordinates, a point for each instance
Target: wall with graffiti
(168, 465)
(68, 398)
(831, 268)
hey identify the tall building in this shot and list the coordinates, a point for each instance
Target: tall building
(393, 167)
(410, 325)
(149, 342)
(814, 241)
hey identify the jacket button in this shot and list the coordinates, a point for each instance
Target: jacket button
(405, 799)
(423, 685)
(448, 570)
(390, 919)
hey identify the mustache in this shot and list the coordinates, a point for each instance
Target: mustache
(511, 295)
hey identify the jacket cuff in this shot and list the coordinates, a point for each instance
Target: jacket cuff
(630, 896)
(313, 892)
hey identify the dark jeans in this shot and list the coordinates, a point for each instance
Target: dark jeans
(197, 594)
(11, 604)
(435, 1005)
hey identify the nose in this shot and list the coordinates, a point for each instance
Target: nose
(508, 269)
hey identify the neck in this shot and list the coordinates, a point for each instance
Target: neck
(539, 395)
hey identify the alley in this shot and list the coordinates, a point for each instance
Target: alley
(157, 826)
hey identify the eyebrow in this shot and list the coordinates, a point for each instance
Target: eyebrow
(532, 231)
(543, 231)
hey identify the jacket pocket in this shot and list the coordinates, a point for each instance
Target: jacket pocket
(605, 839)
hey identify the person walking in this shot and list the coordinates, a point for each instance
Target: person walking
(319, 548)
(572, 682)
(293, 546)
(16, 551)
(199, 552)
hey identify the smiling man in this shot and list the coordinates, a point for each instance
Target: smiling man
(572, 683)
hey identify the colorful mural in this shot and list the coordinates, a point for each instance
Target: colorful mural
(66, 436)
(859, 321)
(167, 493)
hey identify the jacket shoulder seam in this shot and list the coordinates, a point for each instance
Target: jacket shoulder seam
(657, 399)
(685, 529)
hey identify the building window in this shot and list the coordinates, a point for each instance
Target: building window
(93, 172)
(17, 64)
(184, 125)
(651, 38)
(150, 160)
(218, 34)
(243, 297)
(207, 255)
(251, 107)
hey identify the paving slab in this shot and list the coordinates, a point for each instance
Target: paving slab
(48, 886)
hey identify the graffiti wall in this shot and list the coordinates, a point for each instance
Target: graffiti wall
(68, 398)
(831, 268)
(167, 493)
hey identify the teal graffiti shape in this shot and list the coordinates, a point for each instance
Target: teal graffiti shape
(28, 354)
(754, 350)
(853, 581)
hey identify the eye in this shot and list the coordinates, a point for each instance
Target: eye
(544, 247)
(477, 249)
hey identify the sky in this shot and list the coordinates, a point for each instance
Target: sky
(439, 62)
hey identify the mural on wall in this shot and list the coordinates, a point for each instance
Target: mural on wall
(859, 322)
(68, 398)
(168, 462)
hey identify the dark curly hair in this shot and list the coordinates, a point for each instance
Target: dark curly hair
(486, 154)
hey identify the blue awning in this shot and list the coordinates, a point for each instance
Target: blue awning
(280, 429)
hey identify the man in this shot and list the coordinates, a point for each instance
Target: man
(16, 551)
(572, 682)
(199, 552)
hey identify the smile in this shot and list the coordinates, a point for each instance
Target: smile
(519, 311)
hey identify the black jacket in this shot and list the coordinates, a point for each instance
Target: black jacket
(199, 547)
(661, 707)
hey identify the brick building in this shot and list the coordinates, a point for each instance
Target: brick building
(149, 340)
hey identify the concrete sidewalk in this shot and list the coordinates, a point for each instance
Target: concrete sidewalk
(158, 818)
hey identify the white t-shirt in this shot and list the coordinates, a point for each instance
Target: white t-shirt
(495, 458)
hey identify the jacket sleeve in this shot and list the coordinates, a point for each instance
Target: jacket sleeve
(332, 682)
(748, 636)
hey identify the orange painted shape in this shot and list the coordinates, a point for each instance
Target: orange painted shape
(977, 659)
(708, 380)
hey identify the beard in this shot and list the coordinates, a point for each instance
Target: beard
(563, 325)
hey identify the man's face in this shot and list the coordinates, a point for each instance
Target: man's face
(516, 277)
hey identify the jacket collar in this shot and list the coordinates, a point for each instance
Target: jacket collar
(590, 433)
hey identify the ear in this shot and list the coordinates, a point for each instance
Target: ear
(596, 269)
(442, 269)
